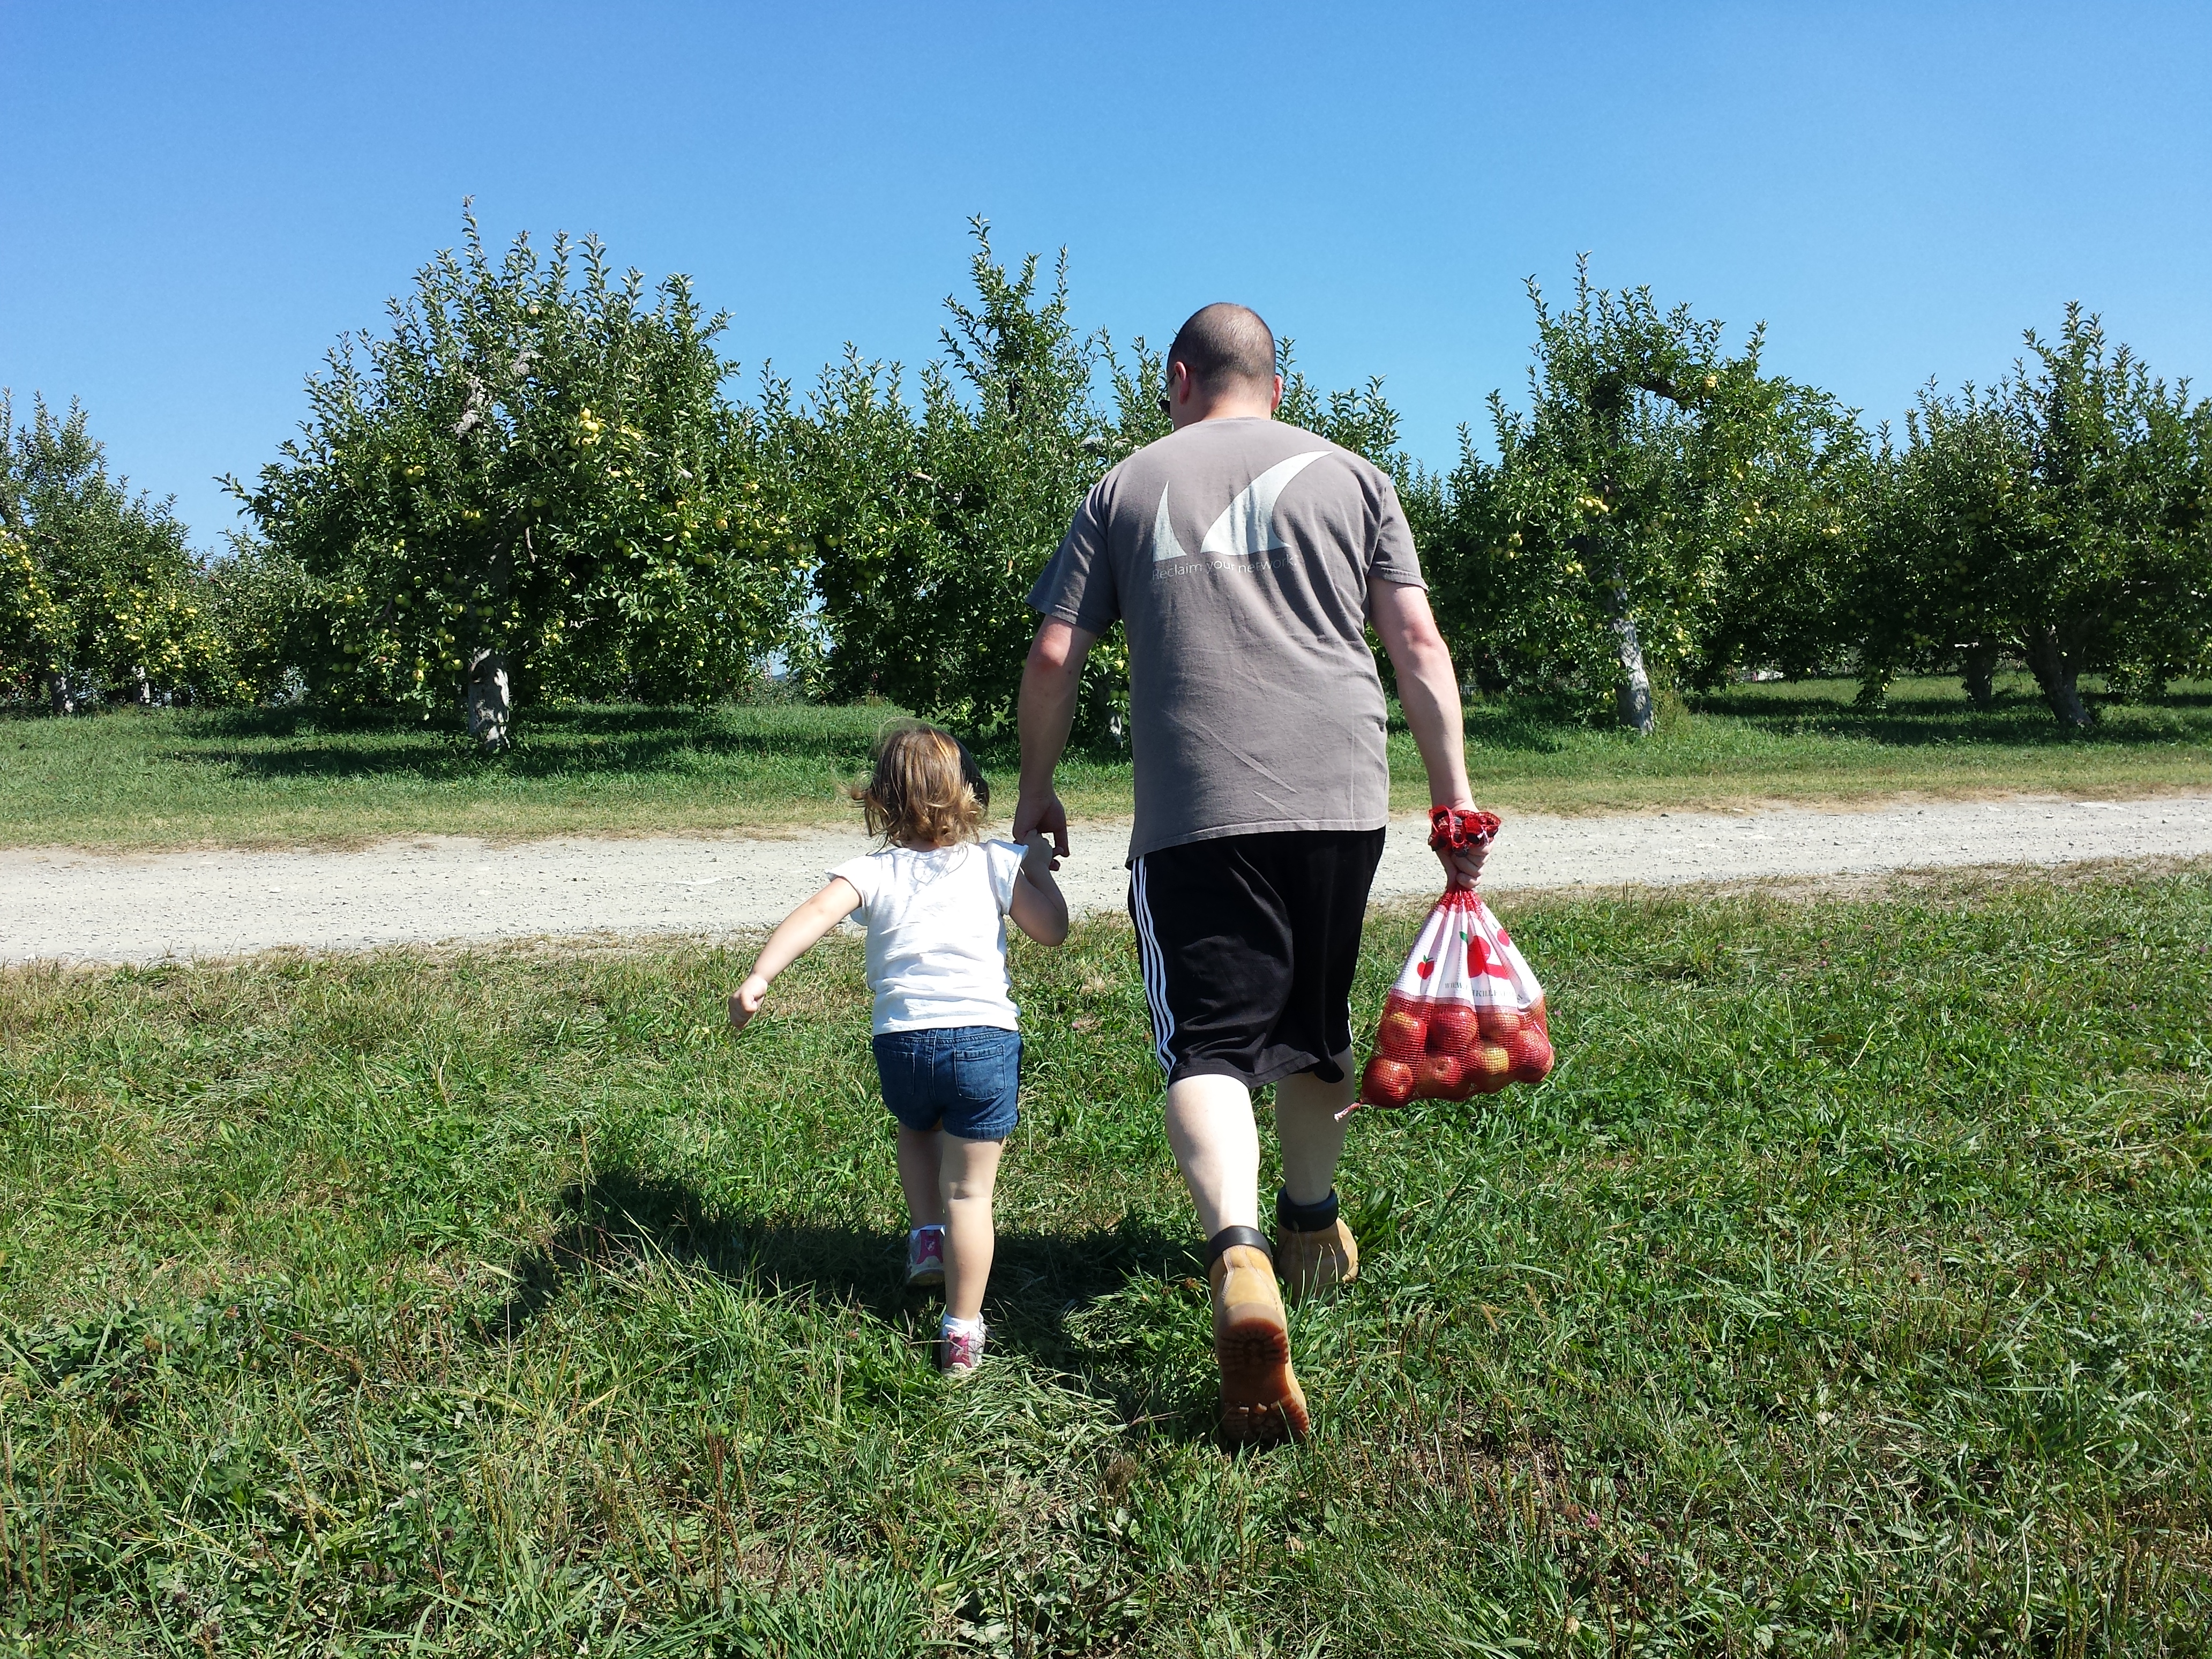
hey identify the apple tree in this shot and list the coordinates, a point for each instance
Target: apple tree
(1662, 508)
(931, 518)
(99, 593)
(528, 485)
(255, 601)
(1796, 477)
(2063, 518)
(1591, 543)
(932, 515)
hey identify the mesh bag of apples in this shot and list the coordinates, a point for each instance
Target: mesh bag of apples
(1465, 1016)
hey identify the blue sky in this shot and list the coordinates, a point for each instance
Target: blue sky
(196, 200)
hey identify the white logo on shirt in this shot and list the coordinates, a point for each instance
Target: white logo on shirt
(1247, 524)
(1164, 544)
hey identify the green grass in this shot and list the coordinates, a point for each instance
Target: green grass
(1845, 1289)
(196, 778)
(183, 777)
(1807, 742)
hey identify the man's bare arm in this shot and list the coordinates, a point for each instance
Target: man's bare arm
(1050, 680)
(1428, 691)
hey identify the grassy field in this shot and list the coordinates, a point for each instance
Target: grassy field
(1844, 1290)
(184, 778)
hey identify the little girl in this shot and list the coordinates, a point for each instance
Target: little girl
(948, 1047)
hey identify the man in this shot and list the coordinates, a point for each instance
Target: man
(1245, 559)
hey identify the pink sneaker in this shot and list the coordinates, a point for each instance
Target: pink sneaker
(958, 1352)
(925, 1258)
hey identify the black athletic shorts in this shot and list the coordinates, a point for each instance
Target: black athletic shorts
(1248, 945)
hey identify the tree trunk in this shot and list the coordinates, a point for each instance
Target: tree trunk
(2055, 670)
(486, 696)
(1981, 674)
(1632, 697)
(58, 693)
(486, 699)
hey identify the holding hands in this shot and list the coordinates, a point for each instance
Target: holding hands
(1044, 820)
(1038, 858)
(1039, 908)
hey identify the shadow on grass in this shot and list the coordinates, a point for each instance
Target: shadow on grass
(1524, 725)
(791, 742)
(595, 739)
(1538, 725)
(554, 744)
(1039, 1281)
(2014, 719)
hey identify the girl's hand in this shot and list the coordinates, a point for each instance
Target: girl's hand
(745, 1001)
(794, 937)
(1038, 907)
(1037, 855)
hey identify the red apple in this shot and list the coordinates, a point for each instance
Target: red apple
(1530, 1051)
(1537, 1012)
(1437, 1077)
(1402, 1034)
(1499, 1023)
(1451, 1028)
(1490, 1066)
(1386, 1082)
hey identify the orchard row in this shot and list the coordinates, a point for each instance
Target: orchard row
(531, 483)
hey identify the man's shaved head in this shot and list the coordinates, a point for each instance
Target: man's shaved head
(1224, 344)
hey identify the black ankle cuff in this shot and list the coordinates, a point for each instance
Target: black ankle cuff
(1306, 1218)
(1233, 1238)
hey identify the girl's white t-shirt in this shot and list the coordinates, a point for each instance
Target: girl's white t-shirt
(937, 933)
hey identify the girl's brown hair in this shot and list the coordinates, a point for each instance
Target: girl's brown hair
(926, 787)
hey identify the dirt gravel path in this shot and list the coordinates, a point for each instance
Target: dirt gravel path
(59, 904)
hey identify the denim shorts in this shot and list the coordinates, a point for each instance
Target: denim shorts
(961, 1079)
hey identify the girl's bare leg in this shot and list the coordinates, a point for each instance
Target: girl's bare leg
(919, 1176)
(970, 1169)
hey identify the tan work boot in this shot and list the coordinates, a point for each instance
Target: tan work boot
(1314, 1249)
(1261, 1400)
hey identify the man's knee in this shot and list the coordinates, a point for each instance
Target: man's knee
(1333, 1081)
(1208, 1094)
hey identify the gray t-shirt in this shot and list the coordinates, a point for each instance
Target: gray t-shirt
(1236, 554)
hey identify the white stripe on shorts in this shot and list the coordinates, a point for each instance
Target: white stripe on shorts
(1150, 959)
